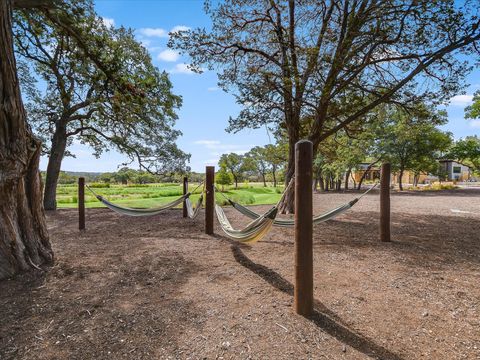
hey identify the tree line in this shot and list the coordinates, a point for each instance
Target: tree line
(409, 140)
(259, 164)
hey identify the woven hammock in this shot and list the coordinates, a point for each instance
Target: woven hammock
(141, 212)
(191, 212)
(290, 222)
(253, 231)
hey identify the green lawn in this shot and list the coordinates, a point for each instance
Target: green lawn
(152, 195)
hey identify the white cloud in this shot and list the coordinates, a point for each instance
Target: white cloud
(153, 32)
(109, 22)
(146, 43)
(237, 149)
(181, 69)
(461, 100)
(206, 142)
(213, 88)
(211, 161)
(168, 55)
(217, 148)
(179, 28)
(475, 124)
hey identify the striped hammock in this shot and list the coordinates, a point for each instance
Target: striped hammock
(253, 231)
(191, 212)
(141, 212)
(316, 219)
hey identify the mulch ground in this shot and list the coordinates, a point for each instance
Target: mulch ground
(158, 288)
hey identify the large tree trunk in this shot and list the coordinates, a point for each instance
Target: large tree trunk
(24, 243)
(59, 144)
(274, 175)
(264, 180)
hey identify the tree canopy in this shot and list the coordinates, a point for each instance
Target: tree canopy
(330, 63)
(467, 151)
(81, 103)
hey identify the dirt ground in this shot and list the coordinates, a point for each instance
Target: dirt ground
(158, 288)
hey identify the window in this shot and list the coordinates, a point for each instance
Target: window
(457, 169)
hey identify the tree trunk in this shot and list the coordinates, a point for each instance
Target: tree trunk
(288, 204)
(315, 184)
(365, 174)
(347, 178)
(24, 243)
(274, 175)
(59, 144)
(400, 176)
(322, 184)
(339, 185)
(236, 181)
(264, 181)
(416, 178)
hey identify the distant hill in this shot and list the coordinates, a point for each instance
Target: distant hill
(83, 174)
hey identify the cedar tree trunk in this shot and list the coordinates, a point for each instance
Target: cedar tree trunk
(24, 242)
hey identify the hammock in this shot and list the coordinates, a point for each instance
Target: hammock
(253, 231)
(316, 219)
(147, 212)
(141, 212)
(192, 213)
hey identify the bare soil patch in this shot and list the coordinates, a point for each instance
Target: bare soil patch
(158, 288)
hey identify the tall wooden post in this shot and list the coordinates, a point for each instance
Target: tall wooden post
(209, 199)
(81, 203)
(385, 202)
(303, 292)
(185, 190)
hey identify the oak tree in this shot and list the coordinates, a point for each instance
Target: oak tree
(79, 102)
(330, 61)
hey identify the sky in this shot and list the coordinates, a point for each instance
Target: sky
(206, 109)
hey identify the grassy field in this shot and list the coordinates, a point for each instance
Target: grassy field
(152, 195)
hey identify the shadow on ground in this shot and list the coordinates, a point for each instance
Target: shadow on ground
(322, 317)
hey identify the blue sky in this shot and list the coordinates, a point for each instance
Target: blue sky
(206, 109)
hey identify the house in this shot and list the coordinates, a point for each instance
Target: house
(454, 171)
(372, 173)
(451, 170)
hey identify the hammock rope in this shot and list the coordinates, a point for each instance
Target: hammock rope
(290, 222)
(144, 212)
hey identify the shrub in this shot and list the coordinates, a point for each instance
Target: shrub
(99, 185)
(243, 199)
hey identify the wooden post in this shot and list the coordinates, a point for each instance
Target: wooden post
(385, 202)
(303, 291)
(81, 203)
(209, 199)
(185, 190)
